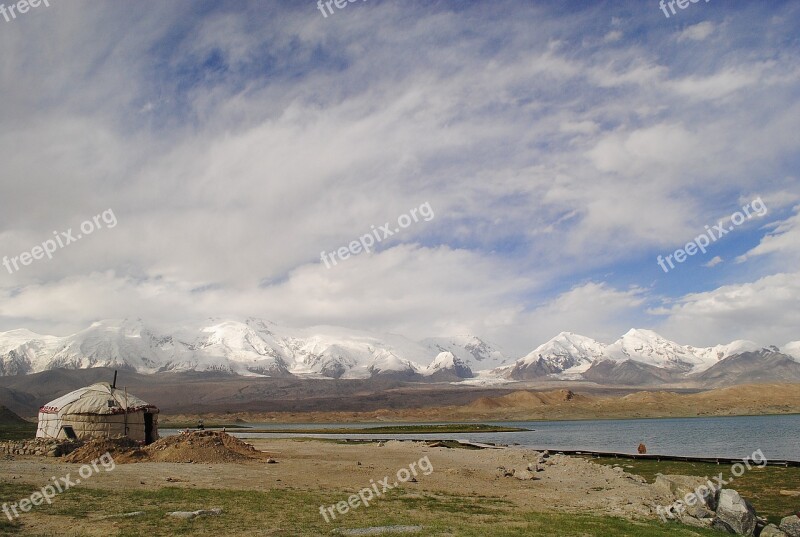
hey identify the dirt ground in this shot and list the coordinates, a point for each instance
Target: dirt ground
(563, 484)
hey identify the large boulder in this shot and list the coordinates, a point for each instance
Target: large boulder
(771, 530)
(791, 526)
(736, 513)
(679, 487)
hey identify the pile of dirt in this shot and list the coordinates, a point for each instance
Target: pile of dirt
(195, 447)
(122, 450)
(201, 447)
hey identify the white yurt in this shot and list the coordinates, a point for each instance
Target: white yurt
(98, 411)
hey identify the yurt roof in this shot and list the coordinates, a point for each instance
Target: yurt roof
(98, 398)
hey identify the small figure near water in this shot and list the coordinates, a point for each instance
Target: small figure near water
(642, 449)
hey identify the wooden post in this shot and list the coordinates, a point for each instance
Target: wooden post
(126, 411)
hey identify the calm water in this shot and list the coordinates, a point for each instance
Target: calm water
(777, 436)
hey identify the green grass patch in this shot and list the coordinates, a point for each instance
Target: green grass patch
(295, 512)
(25, 431)
(760, 486)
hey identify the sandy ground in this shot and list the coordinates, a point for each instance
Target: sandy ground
(565, 483)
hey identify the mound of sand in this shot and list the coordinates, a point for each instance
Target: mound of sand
(205, 447)
(661, 397)
(485, 403)
(523, 399)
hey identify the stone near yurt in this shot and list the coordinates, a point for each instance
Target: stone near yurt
(791, 526)
(98, 411)
(736, 512)
(771, 530)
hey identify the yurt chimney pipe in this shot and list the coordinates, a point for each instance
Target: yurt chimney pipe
(114, 384)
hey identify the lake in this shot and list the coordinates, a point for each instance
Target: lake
(734, 437)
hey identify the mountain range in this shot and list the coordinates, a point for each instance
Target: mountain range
(260, 348)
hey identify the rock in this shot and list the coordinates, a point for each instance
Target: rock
(194, 514)
(535, 468)
(123, 515)
(719, 525)
(791, 526)
(678, 487)
(502, 471)
(696, 522)
(699, 512)
(736, 512)
(524, 475)
(790, 493)
(772, 530)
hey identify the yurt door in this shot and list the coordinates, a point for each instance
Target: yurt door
(148, 428)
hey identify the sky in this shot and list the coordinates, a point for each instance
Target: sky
(555, 150)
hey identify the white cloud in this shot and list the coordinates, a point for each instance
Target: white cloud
(697, 32)
(236, 143)
(577, 310)
(783, 240)
(408, 289)
(717, 85)
(766, 311)
(716, 260)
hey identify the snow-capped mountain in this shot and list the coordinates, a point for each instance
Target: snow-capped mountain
(254, 347)
(637, 354)
(260, 348)
(567, 355)
(243, 348)
(23, 352)
(472, 351)
(648, 347)
(448, 365)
